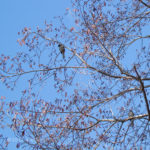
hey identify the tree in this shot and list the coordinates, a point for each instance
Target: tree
(97, 83)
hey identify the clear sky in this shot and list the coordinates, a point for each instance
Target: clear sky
(14, 16)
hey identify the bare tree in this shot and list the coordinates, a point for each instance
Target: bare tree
(105, 75)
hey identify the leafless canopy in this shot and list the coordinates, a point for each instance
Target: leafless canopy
(105, 74)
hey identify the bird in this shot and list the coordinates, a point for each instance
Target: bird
(131, 114)
(62, 49)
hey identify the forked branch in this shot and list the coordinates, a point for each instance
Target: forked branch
(143, 90)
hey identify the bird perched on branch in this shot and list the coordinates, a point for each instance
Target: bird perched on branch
(62, 49)
(131, 114)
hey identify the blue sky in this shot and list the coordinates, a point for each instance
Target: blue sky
(14, 16)
(17, 14)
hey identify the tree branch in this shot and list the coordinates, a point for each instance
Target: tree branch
(144, 93)
(144, 4)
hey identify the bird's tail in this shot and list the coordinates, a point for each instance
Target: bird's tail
(63, 56)
(132, 123)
